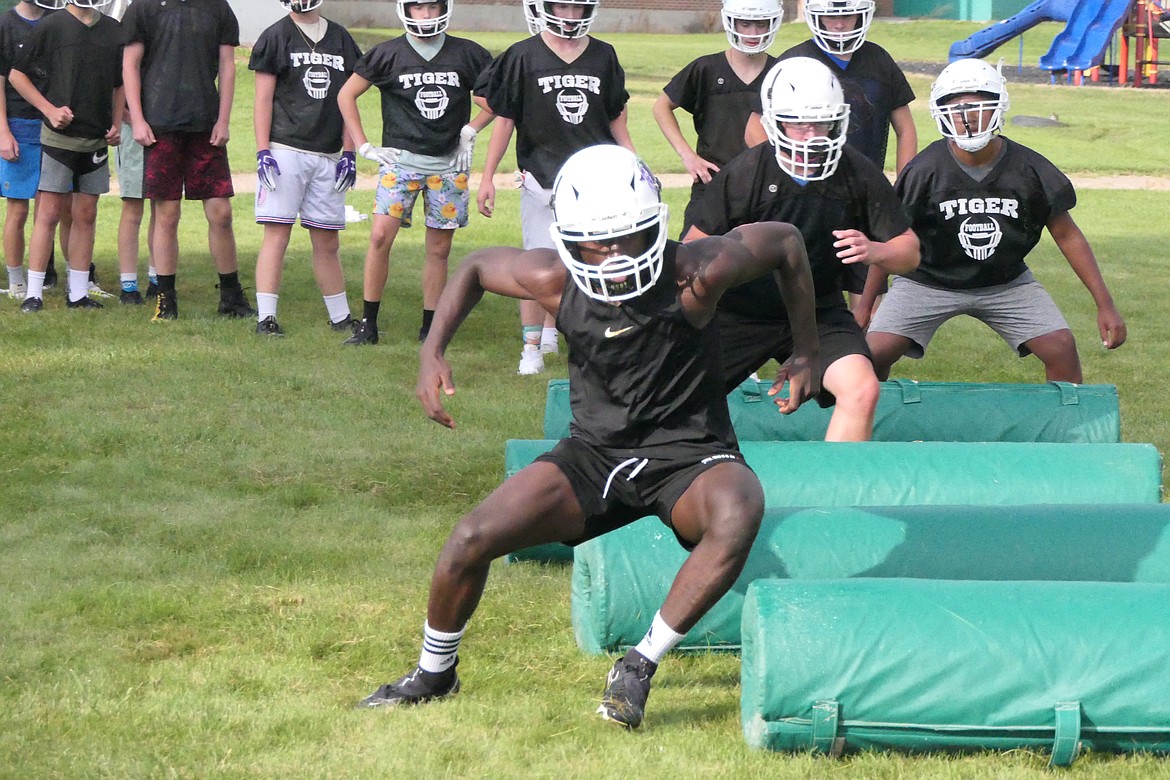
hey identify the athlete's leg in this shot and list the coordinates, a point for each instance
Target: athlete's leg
(327, 260)
(434, 276)
(887, 349)
(1058, 352)
(221, 237)
(852, 380)
(15, 221)
(270, 258)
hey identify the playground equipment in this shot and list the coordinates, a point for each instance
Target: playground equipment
(1145, 27)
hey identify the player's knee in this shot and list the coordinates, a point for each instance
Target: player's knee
(733, 528)
(861, 395)
(467, 544)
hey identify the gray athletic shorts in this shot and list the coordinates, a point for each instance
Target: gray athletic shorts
(305, 186)
(1018, 311)
(131, 160)
(64, 171)
(536, 214)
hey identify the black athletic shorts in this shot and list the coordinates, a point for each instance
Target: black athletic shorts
(616, 487)
(748, 343)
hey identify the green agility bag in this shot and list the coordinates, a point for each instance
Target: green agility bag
(817, 473)
(923, 665)
(918, 411)
(621, 579)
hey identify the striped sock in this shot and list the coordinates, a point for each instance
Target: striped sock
(439, 649)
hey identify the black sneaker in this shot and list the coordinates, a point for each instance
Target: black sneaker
(348, 324)
(626, 689)
(84, 303)
(365, 332)
(50, 277)
(233, 303)
(31, 305)
(152, 290)
(166, 307)
(131, 298)
(268, 327)
(415, 688)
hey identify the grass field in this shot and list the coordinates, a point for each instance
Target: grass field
(212, 545)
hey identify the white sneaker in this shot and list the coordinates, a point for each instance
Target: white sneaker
(17, 292)
(531, 360)
(94, 291)
(549, 347)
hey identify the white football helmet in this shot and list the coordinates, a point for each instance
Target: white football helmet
(971, 125)
(804, 91)
(569, 28)
(87, 3)
(425, 28)
(844, 42)
(52, 5)
(301, 6)
(601, 193)
(532, 16)
(770, 11)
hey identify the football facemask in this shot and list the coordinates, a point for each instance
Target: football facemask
(769, 11)
(601, 194)
(563, 27)
(301, 6)
(51, 5)
(802, 91)
(532, 16)
(971, 123)
(424, 28)
(818, 12)
(89, 3)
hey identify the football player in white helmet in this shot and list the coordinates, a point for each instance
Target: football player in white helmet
(651, 432)
(981, 202)
(425, 18)
(839, 26)
(847, 212)
(751, 25)
(568, 18)
(301, 6)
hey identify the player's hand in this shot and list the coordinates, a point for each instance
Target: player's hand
(803, 383)
(1111, 327)
(267, 170)
(383, 155)
(346, 175)
(60, 117)
(9, 146)
(434, 380)
(486, 199)
(220, 134)
(852, 246)
(114, 135)
(698, 168)
(465, 151)
(143, 133)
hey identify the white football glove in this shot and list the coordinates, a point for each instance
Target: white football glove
(383, 155)
(465, 150)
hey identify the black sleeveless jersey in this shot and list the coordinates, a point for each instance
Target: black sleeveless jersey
(640, 375)
(977, 233)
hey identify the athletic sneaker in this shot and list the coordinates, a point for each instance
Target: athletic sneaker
(348, 324)
(626, 689)
(31, 305)
(233, 303)
(365, 332)
(152, 289)
(94, 291)
(531, 360)
(131, 298)
(51, 276)
(166, 307)
(17, 292)
(549, 347)
(415, 688)
(268, 327)
(84, 303)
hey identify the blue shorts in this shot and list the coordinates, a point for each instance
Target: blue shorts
(20, 177)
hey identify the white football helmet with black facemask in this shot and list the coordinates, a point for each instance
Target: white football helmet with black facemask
(816, 12)
(569, 28)
(301, 6)
(971, 124)
(532, 16)
(803, 91)
(425, 28)
(603, 193)
(770, 11)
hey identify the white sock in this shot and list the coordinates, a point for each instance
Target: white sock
(659, 640)
(78, 284)
(152, 274)
(36, 285)
(439, 649)
(265, 305)
(548, 339)
(337, 306)
(15, 275)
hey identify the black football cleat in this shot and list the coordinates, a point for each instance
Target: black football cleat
(626, 689)
(417, 687)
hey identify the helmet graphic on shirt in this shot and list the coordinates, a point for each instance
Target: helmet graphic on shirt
(971, 124)
(431, 101)
(317, 81)
(566, 27)
(603, 193)
(572, 105)
(768, 11)
(301, 6)
(425, 28)
(818, 12)
(979, 237)
(803, 91)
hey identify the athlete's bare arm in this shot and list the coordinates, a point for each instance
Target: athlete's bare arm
(537, 275)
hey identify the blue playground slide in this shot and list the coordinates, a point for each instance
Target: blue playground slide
(1089, 27)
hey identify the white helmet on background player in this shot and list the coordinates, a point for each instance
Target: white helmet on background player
(532, 16)
(301, 6)
(87, 3)
(770, 11)
(803, 91)
(568, 28)
(52, 5)
(425, 28)
(969, 77)
(845, 41)
(602, 193)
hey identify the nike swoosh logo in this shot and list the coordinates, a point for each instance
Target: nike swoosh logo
(610, 332)
(99, 160)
